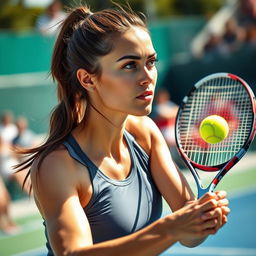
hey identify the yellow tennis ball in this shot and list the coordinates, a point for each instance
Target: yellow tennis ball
(214, 129)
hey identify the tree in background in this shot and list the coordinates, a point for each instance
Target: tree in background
(137, 5)
(19, 17)
(207, 8)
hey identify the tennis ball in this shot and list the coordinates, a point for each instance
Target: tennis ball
(213, 129)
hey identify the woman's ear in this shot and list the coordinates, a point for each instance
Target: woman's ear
(85, 79)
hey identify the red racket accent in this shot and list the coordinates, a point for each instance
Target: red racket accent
(215, 181)
(231, 163)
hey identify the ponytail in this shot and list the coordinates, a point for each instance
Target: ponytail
(84, 36)
(66, 115)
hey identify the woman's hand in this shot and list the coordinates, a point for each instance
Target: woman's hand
(221, 195)
(200, 218)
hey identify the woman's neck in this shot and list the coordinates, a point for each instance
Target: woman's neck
(100, 134)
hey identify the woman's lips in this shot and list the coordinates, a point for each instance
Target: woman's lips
(147, 95)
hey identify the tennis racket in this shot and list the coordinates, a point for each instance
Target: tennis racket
(225, 95)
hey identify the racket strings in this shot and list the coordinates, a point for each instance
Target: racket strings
(219, 96)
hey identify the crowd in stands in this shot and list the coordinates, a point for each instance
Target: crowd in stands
(239, 32)
(13, 134)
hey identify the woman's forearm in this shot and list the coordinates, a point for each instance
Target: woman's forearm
(150, 241)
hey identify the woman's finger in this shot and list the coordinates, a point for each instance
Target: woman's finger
(206, 197)
(221, 194)
(225, 210)
(223, 202)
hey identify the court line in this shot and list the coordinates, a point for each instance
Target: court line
(217, 251)
(41, 251)
(242, 192)
(25, 80)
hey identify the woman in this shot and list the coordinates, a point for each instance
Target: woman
(99, 178)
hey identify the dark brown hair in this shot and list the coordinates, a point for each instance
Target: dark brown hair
(84, 36)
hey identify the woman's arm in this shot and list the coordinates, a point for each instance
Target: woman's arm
(171, 182)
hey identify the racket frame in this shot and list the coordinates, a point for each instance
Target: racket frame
(226, 166)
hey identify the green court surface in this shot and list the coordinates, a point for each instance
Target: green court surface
(30, 239)
(29, 236)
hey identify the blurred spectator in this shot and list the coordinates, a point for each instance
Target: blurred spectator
(247, 13)
(48, 23)
(222, 45)
(25, 137)
(214, 46)
(234, 35)
(7, 225)
(251, 36)
(239, 32)
(164, 115)
(246, 17)
(8, 129)
(7, 161)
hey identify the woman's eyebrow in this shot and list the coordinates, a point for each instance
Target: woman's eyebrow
(135, 57)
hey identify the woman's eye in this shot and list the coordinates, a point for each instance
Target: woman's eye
(152, 62)
(130, 65)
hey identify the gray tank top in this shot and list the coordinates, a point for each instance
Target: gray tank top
(118, 208)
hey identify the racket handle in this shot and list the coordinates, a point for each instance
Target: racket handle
(201, 191)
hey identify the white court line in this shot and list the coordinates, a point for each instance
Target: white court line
(25, 80)
(242, 192)
(217, 251)
(34, 252)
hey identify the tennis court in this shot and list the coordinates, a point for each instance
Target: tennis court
(237, 238)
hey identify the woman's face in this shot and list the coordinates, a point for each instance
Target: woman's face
(129, 74)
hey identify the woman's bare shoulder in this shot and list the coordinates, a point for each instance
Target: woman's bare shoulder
(56, 170)
(55, 160)
(141, 128)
